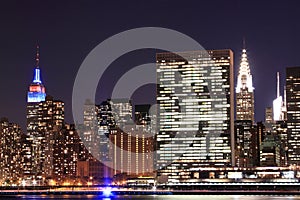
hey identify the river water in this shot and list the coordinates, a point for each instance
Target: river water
(155, 197)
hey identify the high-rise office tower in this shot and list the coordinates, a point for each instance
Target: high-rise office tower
(269, 115)
(105, 123)
(75, 150)
(293, 114)
(145, 117)
(45, 120)
(10, 152)
(246, 144)
(195, 97)
(36, 94)
(97, 121)
(90, 114)
(105, 116)
(269, 122)
(280, 129)
(50, 126)
(130, 146)
(261, 134)
(132, 151)
(270, 151)
(67, 150)
(141, 114)
(122, 111)
(279, 106)
(52, 112)
(244, 91)
(89, 132)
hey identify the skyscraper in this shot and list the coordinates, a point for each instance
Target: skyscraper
(89, 133)
(10, 152)
(63, 151)
(244, 91)
(280, 129)
(246, 144)
(261, 134)
(74, 150)
(270, 151)
(50, 126)
(279, 106)
(105, 123)
(269, 115)
(195, 113)
(122, 111)
(36, 94)
(141, 113)
(44, 142)
(293, 114)
(131, 151)
(97, 121)
(105, 116)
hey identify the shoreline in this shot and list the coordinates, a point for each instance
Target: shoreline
(152, 192)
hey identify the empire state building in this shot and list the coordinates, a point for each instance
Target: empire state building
(36, 91)
(35, 139)
(35, 95)
(244, 91)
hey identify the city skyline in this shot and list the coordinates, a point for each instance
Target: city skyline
(61, 55)
(37, 79)
(189, 103)
(157, 99)
(195, 98)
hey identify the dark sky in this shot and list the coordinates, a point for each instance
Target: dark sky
(68, 30)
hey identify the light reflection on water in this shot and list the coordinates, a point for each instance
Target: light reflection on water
(155, 197)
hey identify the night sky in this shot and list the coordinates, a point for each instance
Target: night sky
(68, 30)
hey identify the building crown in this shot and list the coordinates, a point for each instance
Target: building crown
(244, 77)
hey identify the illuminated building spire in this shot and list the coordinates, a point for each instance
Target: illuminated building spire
(278, 104)
(37, 72)
(36, 91)
(244, 77)
(244, 89)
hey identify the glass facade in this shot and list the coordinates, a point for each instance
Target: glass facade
(293, 114)
(33, 146)
(246, 144)
(195, 113)
(10, 152)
